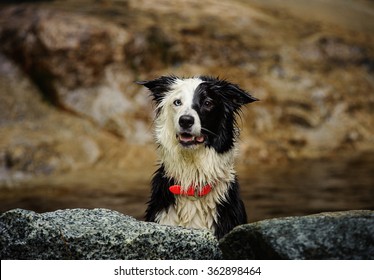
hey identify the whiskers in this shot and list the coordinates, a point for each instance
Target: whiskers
(208, 131)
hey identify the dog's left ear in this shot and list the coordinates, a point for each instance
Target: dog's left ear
(234, 94)
(159, 87)
(239, 96)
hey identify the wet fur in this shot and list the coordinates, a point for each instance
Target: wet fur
(213, 104)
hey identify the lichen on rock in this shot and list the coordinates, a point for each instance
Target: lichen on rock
(98, 234)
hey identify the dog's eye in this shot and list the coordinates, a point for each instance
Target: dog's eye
(177, 102)
(208, 104)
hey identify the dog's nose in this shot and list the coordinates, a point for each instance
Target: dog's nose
(186, 121)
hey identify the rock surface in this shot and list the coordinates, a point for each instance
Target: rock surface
(77, 61)
(98, 234)
(312, 78)
(339, 235)
(106, 234)
(37, 139)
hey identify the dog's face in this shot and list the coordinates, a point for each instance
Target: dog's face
(196, 112)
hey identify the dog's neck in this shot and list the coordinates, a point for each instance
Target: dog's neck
(197, 166)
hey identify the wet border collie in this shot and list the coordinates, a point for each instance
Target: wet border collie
(195, 185)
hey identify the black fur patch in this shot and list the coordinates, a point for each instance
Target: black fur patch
(230, 212)
(217, 103)
(161, 197)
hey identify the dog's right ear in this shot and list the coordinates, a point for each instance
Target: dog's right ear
(159, 87)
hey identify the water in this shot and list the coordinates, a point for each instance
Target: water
(298, 188)
(310, 187)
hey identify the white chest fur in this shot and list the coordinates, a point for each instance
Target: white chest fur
(203, 166)
(200, 213)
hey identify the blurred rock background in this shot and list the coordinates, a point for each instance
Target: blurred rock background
(76, 131)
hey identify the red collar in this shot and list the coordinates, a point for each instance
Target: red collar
(192, 191)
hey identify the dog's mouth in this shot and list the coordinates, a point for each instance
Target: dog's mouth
(187, 139)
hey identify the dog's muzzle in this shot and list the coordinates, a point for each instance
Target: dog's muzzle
(187, 136)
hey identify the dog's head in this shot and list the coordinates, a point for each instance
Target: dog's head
(196, 112)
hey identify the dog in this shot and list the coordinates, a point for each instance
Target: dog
(196, 133)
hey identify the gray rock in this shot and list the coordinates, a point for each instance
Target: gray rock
(98, 234)
(340, 235)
